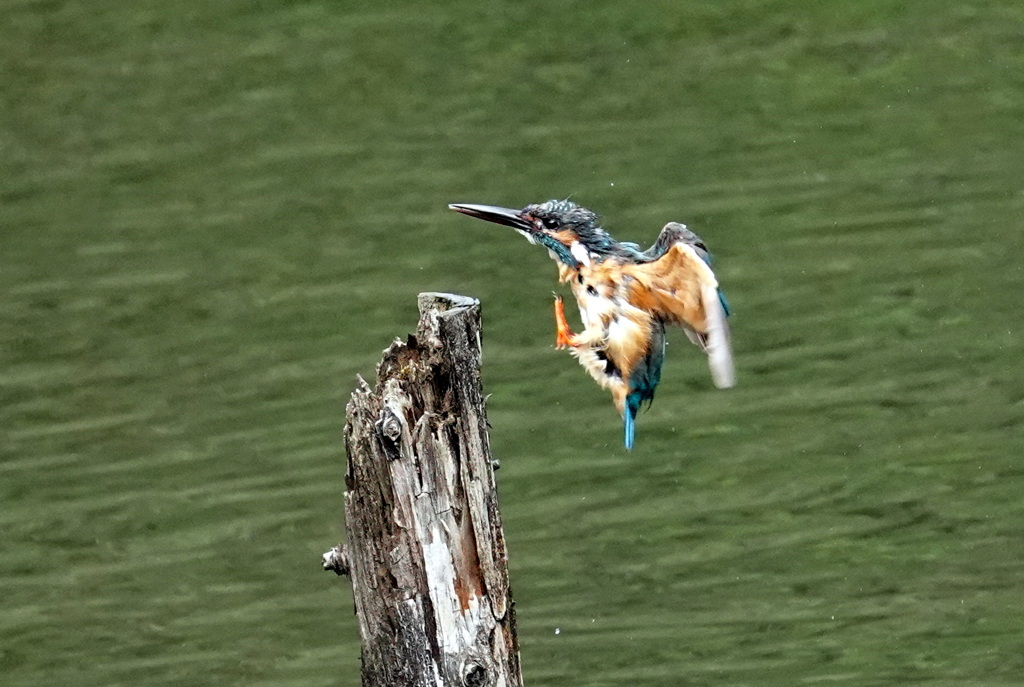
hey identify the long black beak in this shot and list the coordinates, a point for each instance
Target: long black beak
(493, 213)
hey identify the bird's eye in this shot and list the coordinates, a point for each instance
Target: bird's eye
(549, 223)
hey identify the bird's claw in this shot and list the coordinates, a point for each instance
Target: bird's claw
(563, 334)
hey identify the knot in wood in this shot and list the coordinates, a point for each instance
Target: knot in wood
(389, 429)
(474, 675)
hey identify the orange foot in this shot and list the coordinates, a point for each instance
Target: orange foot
(563, 335)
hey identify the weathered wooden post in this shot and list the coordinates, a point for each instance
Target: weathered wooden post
(425, 550)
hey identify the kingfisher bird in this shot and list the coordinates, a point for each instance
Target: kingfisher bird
(626, 298)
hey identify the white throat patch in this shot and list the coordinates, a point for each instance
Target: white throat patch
(580, 252)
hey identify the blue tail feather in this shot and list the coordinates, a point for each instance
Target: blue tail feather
(630, 429)
(644, 380)
(631, 409)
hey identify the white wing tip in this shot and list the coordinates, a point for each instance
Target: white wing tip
(723, 371)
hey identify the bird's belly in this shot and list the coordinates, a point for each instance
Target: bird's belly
(621, 331)
(629, 338)
(596, 313)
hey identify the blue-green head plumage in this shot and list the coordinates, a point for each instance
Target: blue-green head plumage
(584, 224)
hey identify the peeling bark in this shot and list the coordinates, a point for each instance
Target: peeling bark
(425, 551)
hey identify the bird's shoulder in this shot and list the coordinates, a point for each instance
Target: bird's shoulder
(672, 286)
(673, 234)
(683, 259)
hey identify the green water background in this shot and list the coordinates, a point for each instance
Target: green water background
(214, 215)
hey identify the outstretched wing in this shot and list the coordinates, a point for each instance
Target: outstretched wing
(677, 285)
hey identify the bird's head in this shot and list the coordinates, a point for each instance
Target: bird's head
(570, 233)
